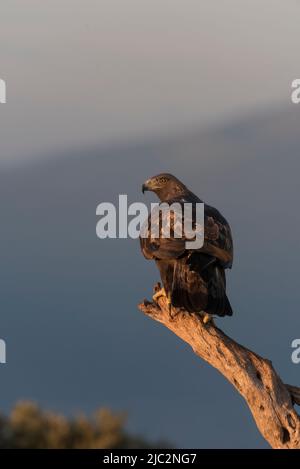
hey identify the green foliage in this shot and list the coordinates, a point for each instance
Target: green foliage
(29, 426)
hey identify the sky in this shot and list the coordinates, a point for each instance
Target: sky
(109, 71)
(100, 96)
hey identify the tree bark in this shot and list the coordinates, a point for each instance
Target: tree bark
(270, 401)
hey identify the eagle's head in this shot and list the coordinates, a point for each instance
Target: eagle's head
(165, 186)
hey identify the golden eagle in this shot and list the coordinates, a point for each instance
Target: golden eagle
(193, 279)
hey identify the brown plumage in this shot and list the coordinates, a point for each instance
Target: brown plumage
(192, 279)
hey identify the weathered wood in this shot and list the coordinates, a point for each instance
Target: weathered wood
(269, 400)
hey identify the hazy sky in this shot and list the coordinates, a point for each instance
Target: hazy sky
(83, 73)
(100, 71)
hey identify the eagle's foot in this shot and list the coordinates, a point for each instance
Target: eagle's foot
(207, 318)
(160, 293)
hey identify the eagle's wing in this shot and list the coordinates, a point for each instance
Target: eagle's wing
(154, 244)
(189, 289)
(199, 284)
(217, 237)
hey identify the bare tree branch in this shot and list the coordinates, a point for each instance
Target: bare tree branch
(269, 399)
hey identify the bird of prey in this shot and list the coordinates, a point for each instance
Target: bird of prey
(193, 279)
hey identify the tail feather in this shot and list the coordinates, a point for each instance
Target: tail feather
(218, 302)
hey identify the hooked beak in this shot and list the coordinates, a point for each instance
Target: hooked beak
(145, 187)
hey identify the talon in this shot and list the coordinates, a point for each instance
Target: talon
(162, 293)
(159, 294)
(169, 301)
(207, 318)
